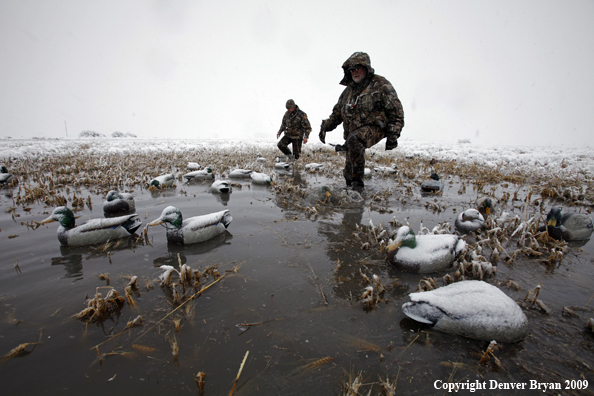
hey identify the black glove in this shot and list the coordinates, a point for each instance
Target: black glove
(322, 136)
(339, 147)
(391, 142)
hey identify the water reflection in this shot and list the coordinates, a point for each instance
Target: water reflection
(173, 250)
(72, 257)
(222, 197)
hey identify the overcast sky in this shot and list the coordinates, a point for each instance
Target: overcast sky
(500, 72)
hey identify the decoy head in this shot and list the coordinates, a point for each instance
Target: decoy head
(554, 216)
(487, 205)
(170, 215)
(62, 215)
(404, 237)
(471, 215)
(3, 169)
(434, 176)
(112, 196)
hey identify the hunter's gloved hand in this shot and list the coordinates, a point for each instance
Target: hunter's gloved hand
(339, 147)
(322, 135)
(391, 142)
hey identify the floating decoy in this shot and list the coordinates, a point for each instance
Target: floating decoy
(471, 220)
(486, 205)
(193, 230)
(192, 166)
(261, 159)
(472, 308)
(6, 178)
(423, 253)
(221, 186)
(569, 226)
(367, 173)
(202, 174)
(116, 202)
(278, 164)
(240, 173)
(260, 178)
(163, 181)
(314, 166)
(386, 169)
(433, 184)
(94, 230)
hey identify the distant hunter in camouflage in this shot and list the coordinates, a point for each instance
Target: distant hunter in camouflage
(296, 128)
(369, 110)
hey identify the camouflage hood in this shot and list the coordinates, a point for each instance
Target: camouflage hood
(358, 58)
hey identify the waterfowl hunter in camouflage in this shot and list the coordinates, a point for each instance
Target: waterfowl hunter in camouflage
(369, 110)
(296, 128)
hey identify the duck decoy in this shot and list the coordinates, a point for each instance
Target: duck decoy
(278, 164)
(471, 220)
(193, 230)
(240, 173)
(367, 173)
(260, 178)
(471, 308)
(568, 226)
(433, 184)
(221, 186)
(423, 253)
(93, 231)
(486, 205)
(386, 169)
(163, 181)
(314, 166)
(116, 202)
(192, 166)
(261, 159)
(7, 178)
(202, 174)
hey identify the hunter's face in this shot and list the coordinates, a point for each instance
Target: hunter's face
(291, 109)
(358, 73)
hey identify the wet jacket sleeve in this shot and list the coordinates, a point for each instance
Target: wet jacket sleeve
(335, 118)
(284, 123)
(393, 110)
(305, 126)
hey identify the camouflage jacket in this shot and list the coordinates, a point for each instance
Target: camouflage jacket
(295, 124)
(372, 102)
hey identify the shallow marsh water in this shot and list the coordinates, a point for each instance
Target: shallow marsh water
(309, 332)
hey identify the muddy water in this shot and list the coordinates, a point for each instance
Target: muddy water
(309, 332)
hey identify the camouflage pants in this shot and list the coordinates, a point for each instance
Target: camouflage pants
(356, 143)
(284, 143)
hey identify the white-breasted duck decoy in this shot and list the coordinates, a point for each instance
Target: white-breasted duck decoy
(486, 205)
(278, 164)
(568, 226)
(367, 173)
(471, 220)
(116, 202)
(260, 178)
(93, 231)
(471, 308)
(221, 186)
(6, 178)
(433, 184)
(163, 181)
(313, 166)
(240, 173)
(193, 230)
(192, 166)
(261, 159)
(201, 174)
(423, 253)
(386, 169)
